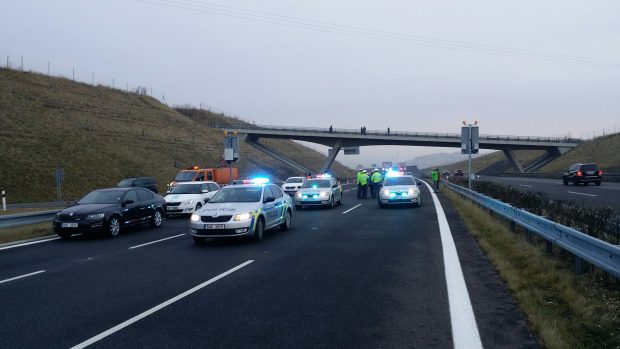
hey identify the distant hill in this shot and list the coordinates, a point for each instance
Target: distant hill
(100, 135)
(434, 160)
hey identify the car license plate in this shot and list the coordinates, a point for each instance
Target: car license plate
(590, 172)
(214, 226)
(69, 225)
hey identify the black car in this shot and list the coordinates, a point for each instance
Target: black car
(139, 182)
(458, 173)
(109, 210)
(583, 173)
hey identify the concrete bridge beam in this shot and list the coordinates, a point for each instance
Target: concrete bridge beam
(510, 155)
(332, 156)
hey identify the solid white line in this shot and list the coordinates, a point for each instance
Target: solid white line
(574, 192)
(352, 208)
(525, 185)
(464, 328)
(156, 241)
(22, 276)
(29, 243)
(138, 317)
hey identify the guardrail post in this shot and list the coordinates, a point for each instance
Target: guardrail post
(3, 200)
(578, 266)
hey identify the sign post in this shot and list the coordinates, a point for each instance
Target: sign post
(470, 144)
(60, 177)
(231, 151)
(3, 200)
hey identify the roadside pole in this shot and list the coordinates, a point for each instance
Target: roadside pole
(231, 152)
(3, 200)
(469, 145)
(469, 160)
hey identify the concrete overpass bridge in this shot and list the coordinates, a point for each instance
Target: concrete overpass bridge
(339, 138)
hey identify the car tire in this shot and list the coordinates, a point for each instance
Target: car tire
(259, 231)
(565, 181)
(157, 219)
(286, 225)
(340, 201)
(331, 203)
(113, 227)
(199, 240)
(597, 182)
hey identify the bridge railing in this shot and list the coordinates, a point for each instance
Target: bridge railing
(584, 247)
(403, 133)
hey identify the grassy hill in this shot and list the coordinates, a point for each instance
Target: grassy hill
(100, 135)
(604, 151)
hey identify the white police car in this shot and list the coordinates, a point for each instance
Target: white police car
(321, 191)
(399, 188)
(292, 184)
(187, 197)
(242, 210)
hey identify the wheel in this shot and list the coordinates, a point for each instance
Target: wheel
(259, 230)
(340, 201)
(198, 207)
(286, 225)
(565, 181)
(113, 226)
(597, 182)
(199, 240)
(156, 219)
(331, 202)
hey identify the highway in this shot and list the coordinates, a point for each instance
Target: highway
(351, 277)
(607, 195)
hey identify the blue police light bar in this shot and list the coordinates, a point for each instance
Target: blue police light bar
(325, 175)
(393, 174)
(260, 180)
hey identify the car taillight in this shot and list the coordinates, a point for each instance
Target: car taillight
(579, 174)
(599, 173)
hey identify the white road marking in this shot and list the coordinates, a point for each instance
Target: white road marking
(525, 185)
(22, 276)
(156, 241)
(352, 208)
(28, 243)
(464, 328)
(138, 317)
(574, 192)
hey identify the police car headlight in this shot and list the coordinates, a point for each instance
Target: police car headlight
(242, 217)
(298, 194)
(324, 194)
(411, 191)
(386, 192)
(187, 202)
(195, 218)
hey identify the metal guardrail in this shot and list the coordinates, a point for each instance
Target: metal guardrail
(607, 176)
(600, 253)
(20, 219)
(401, 133)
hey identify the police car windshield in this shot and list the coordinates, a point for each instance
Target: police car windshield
(239, 194)
(102, 197)
(294, 180)
(399, 181)
(187, 189)
(185, 176)
(317, 183)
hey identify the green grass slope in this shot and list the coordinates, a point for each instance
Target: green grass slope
(100, 135)
(605, 151)
(493, 162)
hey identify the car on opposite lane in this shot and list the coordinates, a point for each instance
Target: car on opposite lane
(321, 191)
(242, 210)
(292, 184)
(110, 210)
(188, 197)
(583, 173)
(399, 189)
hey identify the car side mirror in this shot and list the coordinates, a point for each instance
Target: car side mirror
(270, 199)
(127, 202)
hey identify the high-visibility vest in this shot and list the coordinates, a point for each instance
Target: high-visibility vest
(359, 176)
(376, 177)
(364, 179)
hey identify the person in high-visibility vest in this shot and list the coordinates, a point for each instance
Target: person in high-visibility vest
(435, 179)
(375, 181)
(359, 184)
(364, 182)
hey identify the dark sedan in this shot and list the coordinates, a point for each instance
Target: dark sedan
(109, 210)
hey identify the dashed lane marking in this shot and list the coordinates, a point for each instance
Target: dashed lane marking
(574, 192)
(352, 208)
(156, 241)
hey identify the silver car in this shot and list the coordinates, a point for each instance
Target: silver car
(242, 210)
(319, 192)
(293, 184)
(399, 189)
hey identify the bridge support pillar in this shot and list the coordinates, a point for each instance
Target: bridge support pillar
(510, 155)
(332, 156)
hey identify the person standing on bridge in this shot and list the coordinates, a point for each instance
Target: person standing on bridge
(331, 128)
(359, 183)
(375, 181)
(388, 130)
(435, 179)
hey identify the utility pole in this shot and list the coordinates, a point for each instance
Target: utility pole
(469, 144)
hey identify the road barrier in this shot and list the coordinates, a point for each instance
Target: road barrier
(20, 219)
(607, 177)
(584, 247)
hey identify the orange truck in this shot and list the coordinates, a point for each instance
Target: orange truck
(219, 175)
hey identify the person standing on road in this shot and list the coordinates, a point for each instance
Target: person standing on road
(375, 180)
(388, 131)
(331, 128)
(359, 184)
(364, 181)
(435, 179)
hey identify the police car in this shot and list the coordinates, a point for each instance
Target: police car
(320, 191)
(293, 184)
(399, 188)
(187, 197)
(242, 210)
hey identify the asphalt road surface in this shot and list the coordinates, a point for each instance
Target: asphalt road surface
(354, 276)
(606, 195)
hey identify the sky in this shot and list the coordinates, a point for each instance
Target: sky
(535, 68)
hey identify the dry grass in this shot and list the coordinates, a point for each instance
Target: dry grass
(603, 150)
(26, 232)
(495, 162)
(99, 135)
(565, 311)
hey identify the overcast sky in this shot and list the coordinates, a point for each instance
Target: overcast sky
(346, 63)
